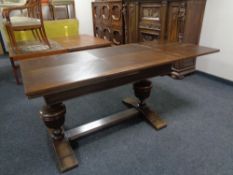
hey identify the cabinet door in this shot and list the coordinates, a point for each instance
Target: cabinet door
(149, 21)
(152, 18)
(176, 21)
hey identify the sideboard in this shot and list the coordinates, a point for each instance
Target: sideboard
(131, 21)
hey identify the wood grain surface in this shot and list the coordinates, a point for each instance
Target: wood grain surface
(66, 44)
(60, 73)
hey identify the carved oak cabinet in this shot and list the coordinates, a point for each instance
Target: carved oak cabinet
(129, 21)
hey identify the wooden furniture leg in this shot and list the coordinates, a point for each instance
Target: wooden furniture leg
(67, 11)
(44, 36)
(54, 118)
(12, 38)
(142, 91)
(16, 73)
(51, 11)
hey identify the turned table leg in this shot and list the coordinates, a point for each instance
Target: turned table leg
(142, 90)
(54, 118)
(16, 72)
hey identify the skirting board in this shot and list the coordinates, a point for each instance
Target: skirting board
(222, 80)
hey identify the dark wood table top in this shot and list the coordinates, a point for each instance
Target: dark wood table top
(58, 73)
(65, 45)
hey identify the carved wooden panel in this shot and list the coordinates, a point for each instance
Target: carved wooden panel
(116, 14)
(109, 24)
(106, 34)
(98, 32)
(176, 21)
(96, 13)
(106, 13)
(150, 16)
(131, 23)
(117, 37)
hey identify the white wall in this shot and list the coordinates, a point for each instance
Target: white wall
(84, 15)
(217, 32)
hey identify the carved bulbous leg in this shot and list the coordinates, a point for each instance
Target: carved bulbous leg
(54, 118)
(142, 91)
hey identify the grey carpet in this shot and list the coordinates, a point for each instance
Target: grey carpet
(197, 141)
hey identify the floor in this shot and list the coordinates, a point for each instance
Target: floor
(197, 141)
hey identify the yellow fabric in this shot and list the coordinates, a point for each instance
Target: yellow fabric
(54, 29)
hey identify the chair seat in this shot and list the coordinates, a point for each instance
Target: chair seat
(12, 3)
(61, 2)
(17, 21)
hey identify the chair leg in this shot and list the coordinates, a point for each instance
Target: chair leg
(13, 39)
(52, 11)
(74, 12)
(9, 36)
(36, 34)
(44, 36)
(67, 12)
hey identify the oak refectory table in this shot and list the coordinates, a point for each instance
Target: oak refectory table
(62, 77)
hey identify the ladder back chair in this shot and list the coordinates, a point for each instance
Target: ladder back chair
(31, 20)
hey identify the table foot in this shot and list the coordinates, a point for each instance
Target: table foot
(153, 118)
(16, 72)
(142, 91)
(54, 118)
(65, 156)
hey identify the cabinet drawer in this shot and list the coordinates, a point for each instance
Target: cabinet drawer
(149, 35)
(184, 64)
(188, 62)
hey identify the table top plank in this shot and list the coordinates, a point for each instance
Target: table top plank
(65, 45)
(59, 73)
